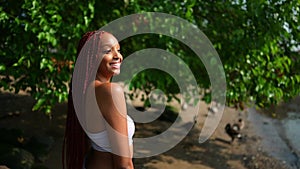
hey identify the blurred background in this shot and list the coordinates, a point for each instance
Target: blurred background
(257, 42)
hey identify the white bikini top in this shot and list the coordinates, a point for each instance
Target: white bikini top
(100, 141)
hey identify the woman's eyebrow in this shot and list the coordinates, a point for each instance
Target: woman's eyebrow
(105, 45)
(110, 45)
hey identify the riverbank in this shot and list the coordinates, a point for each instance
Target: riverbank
(215, 153)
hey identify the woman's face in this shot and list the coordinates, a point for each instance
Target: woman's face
(112, 58)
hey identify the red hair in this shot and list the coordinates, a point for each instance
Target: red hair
(75, 143)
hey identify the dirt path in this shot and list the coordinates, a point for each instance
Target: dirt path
(215, 153)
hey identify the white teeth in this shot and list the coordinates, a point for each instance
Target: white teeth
(116, 65)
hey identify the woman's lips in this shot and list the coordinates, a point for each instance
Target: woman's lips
(115, 65)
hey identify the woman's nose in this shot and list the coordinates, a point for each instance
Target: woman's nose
(117, 54)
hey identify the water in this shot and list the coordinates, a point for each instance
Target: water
(280, 137)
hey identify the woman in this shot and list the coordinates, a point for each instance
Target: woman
(105, 140)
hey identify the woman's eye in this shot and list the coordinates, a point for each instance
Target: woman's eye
(106, 51)
(119, 50)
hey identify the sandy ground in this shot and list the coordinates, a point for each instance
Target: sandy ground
(215, 153)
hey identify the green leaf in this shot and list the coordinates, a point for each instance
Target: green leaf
(2, 67)
(39, 103)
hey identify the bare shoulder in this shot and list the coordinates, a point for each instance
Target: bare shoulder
(111, 99)
(108, 88)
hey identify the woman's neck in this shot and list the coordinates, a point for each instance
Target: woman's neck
(102, 79)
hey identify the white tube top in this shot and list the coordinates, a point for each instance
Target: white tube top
(100, 141)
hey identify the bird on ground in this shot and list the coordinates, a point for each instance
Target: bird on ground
(234, 130)
(213, 109)
(241, 123)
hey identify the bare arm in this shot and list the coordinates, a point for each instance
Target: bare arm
(111, 101)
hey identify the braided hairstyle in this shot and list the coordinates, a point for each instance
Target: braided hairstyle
(75, 143)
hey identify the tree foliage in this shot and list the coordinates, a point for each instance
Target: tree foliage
(37, 46)
(257, 41)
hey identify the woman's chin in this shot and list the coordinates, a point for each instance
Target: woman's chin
(116, 73)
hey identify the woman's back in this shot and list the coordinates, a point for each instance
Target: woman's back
(102, 152)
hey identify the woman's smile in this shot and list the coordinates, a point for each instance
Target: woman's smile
(115, 65)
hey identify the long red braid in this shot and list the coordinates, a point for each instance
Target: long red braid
(75, 143)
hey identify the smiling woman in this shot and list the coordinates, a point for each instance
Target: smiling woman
(112, 59)
(101, 134)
